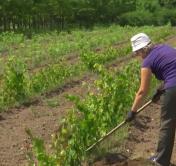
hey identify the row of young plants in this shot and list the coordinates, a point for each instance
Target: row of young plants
(46, 49)
(90, 57)
(20, 85)
(8, 39)
(91, 118)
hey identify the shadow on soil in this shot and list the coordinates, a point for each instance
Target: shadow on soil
(1, 118)
(117, 159)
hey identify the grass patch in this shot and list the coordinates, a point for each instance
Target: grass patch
(53, 102)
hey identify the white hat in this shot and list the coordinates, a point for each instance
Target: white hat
(139, 41)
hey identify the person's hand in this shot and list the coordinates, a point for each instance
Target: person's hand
(130, 116)
(157, 95)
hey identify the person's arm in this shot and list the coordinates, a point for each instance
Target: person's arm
(143, 89)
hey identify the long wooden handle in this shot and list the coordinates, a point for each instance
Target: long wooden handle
(117, 127)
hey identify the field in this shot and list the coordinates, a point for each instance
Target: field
(70, 89)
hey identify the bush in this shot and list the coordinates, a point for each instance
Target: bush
(140, 18)
(15, 84)
(165, 16)
(86, 17)
(136, 18)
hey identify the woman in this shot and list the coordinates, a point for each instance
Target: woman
(159, 60)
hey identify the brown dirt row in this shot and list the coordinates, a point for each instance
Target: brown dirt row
(141, 142)
(42, 116)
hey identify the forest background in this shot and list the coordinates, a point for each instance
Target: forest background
(43, 15)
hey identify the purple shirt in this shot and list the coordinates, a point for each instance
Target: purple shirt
(162, 61)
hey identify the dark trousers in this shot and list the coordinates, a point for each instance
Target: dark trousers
(167, 128)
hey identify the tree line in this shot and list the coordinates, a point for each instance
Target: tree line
(23, 15)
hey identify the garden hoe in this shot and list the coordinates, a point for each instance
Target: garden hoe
(117, 127)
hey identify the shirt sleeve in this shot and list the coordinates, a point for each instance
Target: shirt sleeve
(146, 63)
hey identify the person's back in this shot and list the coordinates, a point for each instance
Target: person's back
(162, 61)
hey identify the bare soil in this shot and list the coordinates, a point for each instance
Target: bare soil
(43, 118)
(141, 142)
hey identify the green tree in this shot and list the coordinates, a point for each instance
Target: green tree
(168, 3)
(150, 6)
